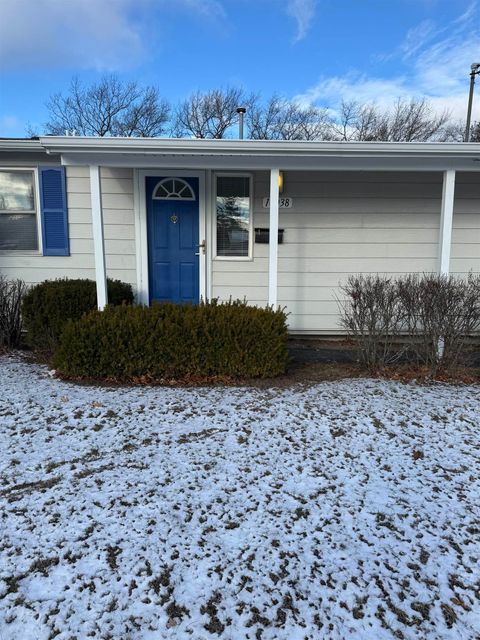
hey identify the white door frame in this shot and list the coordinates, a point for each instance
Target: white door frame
(141, 231)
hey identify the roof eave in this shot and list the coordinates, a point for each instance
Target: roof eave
(273, 148)
(21, 145)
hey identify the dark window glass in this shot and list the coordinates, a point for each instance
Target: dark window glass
(18, 229)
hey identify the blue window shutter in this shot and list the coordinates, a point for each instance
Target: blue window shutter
(53, 209)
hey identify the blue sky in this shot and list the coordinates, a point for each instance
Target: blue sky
(317, 51)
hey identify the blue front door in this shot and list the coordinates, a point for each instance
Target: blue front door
(172, 223)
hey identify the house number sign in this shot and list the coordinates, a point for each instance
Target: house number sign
(283, 203)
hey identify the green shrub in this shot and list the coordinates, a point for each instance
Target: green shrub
(48, 306)
(175, 341)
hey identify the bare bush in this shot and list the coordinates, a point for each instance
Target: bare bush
(440, 314)
(11, 296)
(371, 314)
(432, 317)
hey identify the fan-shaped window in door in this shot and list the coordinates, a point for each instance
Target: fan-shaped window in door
(173, 189)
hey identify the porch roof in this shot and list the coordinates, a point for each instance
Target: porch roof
(264, 154)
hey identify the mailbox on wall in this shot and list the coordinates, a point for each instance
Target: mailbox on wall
(262, 235)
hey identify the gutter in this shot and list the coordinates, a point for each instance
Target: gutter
(280, 148)
(22, 145)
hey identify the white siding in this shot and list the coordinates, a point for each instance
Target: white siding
(341, 223)
(344, 223)
(465, 256)
(119, 223)
(117, 200)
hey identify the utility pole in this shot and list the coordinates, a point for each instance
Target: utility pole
(474, 70)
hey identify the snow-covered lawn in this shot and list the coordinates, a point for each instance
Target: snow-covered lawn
(348, 510)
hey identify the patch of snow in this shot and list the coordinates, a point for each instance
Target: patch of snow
(349, 509)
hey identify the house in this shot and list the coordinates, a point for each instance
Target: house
(277, 222)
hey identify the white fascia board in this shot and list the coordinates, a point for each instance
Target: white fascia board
(283, 147)
(250, 154)
(12, 144)
(233, 162)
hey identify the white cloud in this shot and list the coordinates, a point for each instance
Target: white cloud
(469, 13)
(60, 33)
(436, 63)
(303, 12)
(417, 37)
(207, 8)
(9, 124)
(98, 34)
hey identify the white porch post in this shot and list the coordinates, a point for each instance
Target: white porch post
(273, 240)
(98, 236)
(446, 222)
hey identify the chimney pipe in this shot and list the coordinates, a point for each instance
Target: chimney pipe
(241, 111)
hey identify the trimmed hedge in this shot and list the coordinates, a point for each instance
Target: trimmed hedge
(48, 307)
(175, 341)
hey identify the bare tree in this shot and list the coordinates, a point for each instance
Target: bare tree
(475, 132)
(408, 121)
(415, 120)
(115, 108)
(455, 132)
(108, 108)
(356, 121)
(281, 119)
(210, 114)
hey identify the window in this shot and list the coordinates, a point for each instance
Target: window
(173, 188)
(18, 218)
(233, 201)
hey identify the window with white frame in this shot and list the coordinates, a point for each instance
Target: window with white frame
(173, 188)
(18, 215)
(233, 216)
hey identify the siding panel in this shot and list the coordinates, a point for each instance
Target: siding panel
(344, 223)
(117, 199)
(465, 255)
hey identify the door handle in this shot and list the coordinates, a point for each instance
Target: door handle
(203, 247)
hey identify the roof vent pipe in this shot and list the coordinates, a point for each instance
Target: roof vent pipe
(241, 111)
